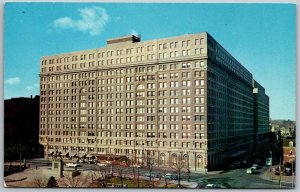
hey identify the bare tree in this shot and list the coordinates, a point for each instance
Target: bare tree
(98, 175)
(166, 180)
(40, 182)
(121, 176)
(77, 181)
(178, 167)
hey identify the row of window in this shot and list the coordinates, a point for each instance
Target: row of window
(106, 119)
(139, 102)
(140, 49)
(121, 80)
(128, 95)
(131, 70)
(165, 127)
(120, 61)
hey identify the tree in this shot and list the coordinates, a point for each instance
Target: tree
(52, 182)
(40, 182)
(121, 176)
(178, 165)
(77, 181)
(166, 181)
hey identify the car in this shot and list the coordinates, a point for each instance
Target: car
(250, 170)
(149, 174)
(135, 165)
(208, 186)
(81, 161)
(72, 165)
(102, 164)
(288, 171)
(92, 162)
(170, 176)
(255, 166)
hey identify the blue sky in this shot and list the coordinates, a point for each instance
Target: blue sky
(261, 36)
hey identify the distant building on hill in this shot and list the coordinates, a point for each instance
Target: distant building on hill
(21, 126)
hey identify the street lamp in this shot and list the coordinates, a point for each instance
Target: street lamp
(292, 173)
(138, 176)
(271, 157)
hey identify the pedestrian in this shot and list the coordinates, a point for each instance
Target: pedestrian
(36, 167)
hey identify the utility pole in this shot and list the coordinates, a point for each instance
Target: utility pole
(179, 168)
(280, 173)
(293, 173)
(20, 161)
(138, 176)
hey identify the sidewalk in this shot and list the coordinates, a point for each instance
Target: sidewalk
(28, 177)
(267, 175)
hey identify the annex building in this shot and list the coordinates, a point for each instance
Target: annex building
(180, 100)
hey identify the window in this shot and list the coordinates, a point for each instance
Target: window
(186, 83)
(186, 65)
(199, 117)
(174, 84)
(173, 75)
(186, 74)
(173, 66)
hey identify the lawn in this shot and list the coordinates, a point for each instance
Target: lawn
(130, 182)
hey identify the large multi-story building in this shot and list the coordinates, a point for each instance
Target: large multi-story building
(175, 100)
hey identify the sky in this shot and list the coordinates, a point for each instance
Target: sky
(262, 37)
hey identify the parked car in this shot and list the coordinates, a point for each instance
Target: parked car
(149, 174)
(250, 170)
(102, 164)
(81, 161)
(135, 165)
(170, 176)
(92, 161)
(288, 171)
(72, 165)
(209, 186)
(255, 166)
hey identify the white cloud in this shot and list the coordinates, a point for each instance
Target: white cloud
(134, 32)
(29, 88)
(32, 87)
(92, 20)
(13, 81)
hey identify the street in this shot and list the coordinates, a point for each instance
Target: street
(236, 178)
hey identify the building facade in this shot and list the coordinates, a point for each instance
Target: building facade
(181, 100)
(289, 150)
